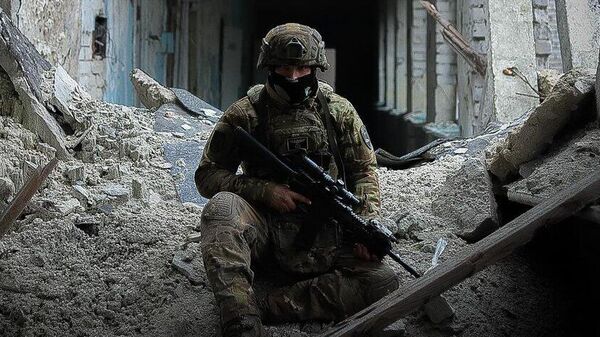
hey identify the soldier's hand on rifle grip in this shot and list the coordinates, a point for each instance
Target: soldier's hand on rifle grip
(282, 199)
(362, 252)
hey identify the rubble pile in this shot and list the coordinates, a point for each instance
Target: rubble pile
(91, 254)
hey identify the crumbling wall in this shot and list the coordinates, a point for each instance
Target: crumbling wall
(52, 26)
(92, 69)
(472, 20)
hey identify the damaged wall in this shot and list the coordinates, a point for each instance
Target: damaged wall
(52, 28)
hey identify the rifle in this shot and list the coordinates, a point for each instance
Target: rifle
(307, 178)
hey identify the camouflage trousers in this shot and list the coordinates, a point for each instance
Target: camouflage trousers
(235, 235)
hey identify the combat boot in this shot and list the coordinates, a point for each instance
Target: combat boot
(244, 326)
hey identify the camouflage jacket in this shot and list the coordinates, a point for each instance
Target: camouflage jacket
(221, 158)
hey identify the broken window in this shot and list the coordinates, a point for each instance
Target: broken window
(100, 37)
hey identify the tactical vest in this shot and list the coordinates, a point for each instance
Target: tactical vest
(302, 245)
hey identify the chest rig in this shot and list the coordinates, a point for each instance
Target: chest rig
(303, 244)
(306, 128)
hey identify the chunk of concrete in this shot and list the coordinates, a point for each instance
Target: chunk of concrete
(7, 189)
(25, 67)
(190, 267)
(82, 194)
(466, 200)
(119, 194)
(68, 206)
(524, 143)
(75, 173)
(138, 188)
(438, 309)
(151, 93)
(547, 79)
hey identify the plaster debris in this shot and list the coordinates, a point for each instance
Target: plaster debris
(76, 173)
(438, 309)
(527, 141)
(150, 92)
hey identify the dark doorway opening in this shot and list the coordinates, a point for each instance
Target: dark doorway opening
(350, 27)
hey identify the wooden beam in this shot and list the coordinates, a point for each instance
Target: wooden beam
(25, 194)
(473, 259)
(591, 213)
(431, 68)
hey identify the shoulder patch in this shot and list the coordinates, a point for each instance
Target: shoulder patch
(365, 137)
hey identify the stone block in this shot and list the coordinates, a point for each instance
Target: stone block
(438, 309)
(75, 174)
(150, 92)
(68, 206)
(547, 79)
(83, 195)
(466, 200)
(7, 189)
(112, 172)
(540, 3)
(532, 137)
(138, 188)
(117, 194)
(190, 267)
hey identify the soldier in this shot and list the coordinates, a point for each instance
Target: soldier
(254, 217)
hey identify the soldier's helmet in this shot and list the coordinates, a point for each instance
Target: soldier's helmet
(292, 44)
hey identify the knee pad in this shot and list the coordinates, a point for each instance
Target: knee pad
(220, 207)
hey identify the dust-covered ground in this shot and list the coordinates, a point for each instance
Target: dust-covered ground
(93, 253)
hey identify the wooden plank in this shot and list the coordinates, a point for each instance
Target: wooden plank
(25, 194)
(591, 213)
(474, 258)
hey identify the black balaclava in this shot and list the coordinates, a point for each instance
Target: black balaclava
(295, 91)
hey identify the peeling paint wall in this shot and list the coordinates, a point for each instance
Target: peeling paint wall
(53, 27)
(119, 51)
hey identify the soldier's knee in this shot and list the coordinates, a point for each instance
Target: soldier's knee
(379, 282)
(222, 207)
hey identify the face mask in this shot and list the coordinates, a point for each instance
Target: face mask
(295, 91)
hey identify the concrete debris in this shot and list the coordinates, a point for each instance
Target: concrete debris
(438, 309)
(566, 164)
(138, 188)
(467, 200)
(83, 195)
(189, 266)
(112, 172)
(64, 95)
(7, 190)
(25, 67)
(547, 79)
(528, 140)
(68, 206)
(150, 92)
(396, 329)
(118, 194)
(75, 174)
